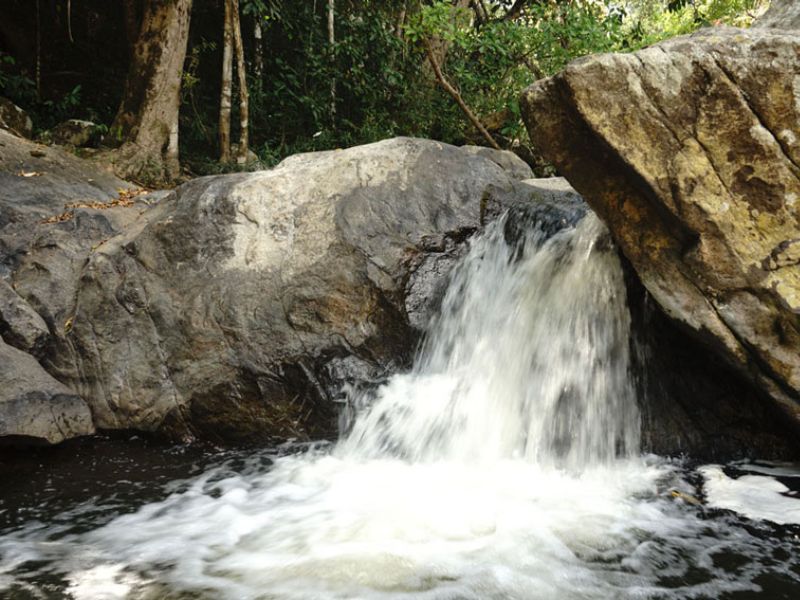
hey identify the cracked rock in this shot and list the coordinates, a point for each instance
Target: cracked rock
(690, 152)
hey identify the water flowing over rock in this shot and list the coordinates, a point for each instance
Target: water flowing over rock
(689, 151)
(529, 356)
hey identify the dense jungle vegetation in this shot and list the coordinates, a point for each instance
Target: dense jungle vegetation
(318, 74)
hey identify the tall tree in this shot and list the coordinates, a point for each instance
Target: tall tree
(226, 85)
(146, 125)
(332, 45)
(258, 45)
(244, 109)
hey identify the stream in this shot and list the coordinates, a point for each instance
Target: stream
(504, 465)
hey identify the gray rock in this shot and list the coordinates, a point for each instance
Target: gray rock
(44, 243)
(20, 325)
(44, 246)
(15, 119)
(34, 407)
(510, 162)
(688, 150)
(225, 310)
(77, 133)
(781, 14)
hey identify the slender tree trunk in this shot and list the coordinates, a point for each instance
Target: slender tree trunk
(146, 125)
(226, 86)
(401, 21)
(516, 9)
(69, 21)
(457, 97)
(480, 11)
(241, 157)
(258, 45)
(38, 53)
(332, 42)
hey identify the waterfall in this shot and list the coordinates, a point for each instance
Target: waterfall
(503, 465)
(527, 359)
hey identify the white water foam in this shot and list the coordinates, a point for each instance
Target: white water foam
(503, 466)
(754, 496)
(528, 359)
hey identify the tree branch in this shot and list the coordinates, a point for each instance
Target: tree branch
(437, 71)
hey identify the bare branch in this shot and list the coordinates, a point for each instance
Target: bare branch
(457, 97)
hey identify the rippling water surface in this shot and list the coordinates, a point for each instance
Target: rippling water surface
(504, 465)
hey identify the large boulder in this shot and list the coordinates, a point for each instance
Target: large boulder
(690, 151)
(510, 162)
(54, 209)
(237, 307)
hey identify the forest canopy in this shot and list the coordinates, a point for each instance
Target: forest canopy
(317, 74)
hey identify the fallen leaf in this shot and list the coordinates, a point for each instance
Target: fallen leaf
(29, 174)
(65, 216)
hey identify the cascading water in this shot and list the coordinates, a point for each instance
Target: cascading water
(528, 359)
(505, 465)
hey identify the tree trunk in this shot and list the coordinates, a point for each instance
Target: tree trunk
(226, 85)
(146, 125)
(401, 22)
(332, 42)
(258, 45)
(241, 157)
(38, 53)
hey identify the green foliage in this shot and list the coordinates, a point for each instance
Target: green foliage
(21, 89)
(491, 63)
(14, 85)
(384, 86)
(651, 21)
